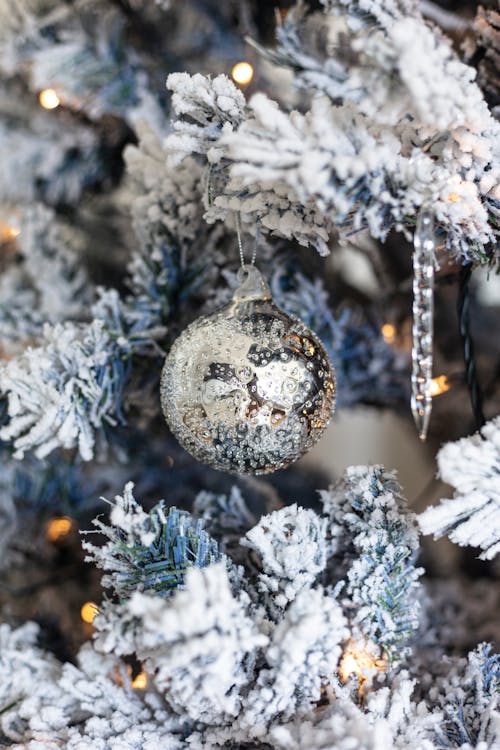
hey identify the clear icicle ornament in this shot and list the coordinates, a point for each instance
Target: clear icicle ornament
(248, 389)
(424, 262)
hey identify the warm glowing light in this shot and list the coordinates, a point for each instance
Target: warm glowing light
(141, 681)
(89, 611)
(389, 333)
(439, 385)
(49, 99)
(58, 528)
(242, 73)
(8, 232)
(359, 661)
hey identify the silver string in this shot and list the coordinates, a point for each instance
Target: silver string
(240, 244)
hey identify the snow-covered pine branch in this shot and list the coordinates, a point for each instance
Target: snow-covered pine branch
(207, 111)
(282, 596)
(47, 257)
(405, 124)
(468, 698)
(149, 551)
(472, 517)
(67, 390)
(175, 253)
(370, 523)
(291, 546)
(220, 672)
(44, 703)
(225, 663)
(43, 160)
(81, 52)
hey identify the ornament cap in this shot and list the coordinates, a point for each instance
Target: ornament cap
(252, 285)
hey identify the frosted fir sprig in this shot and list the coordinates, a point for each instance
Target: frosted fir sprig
(225, 517)
(149, 551)
(369, 13)
(207, 111)
(302, 648)
(51, 253)
(176, 247)
(370, 152)
(62, 392)
(469, 699)
(205, 108)
(93, 67)
(471, 466)
(44, 161)
(202, 632)
(368, 518)
(107, 82)
(65, 392)
(48, 256)
(165, 204)
(291, 546)
(200, 644)
(308, 58)
(90, 703)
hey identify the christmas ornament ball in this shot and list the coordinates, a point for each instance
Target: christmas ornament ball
(248, 389)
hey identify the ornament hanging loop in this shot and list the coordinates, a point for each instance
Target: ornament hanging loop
(424, 265)
(237, 219)
(253, 286)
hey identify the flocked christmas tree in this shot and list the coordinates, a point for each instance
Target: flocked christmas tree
(283, 611)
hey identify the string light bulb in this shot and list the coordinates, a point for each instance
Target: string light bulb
(140, 681)
(89, 611)
(242, 73)
(359, 661)
(58, 528)
(48, 99)
(388, 333)
(439, 385)
(8, 232)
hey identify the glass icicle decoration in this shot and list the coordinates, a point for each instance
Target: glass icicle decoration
(423, 309)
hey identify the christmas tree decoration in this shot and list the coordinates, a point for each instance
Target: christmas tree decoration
(242, 73)
(248, 389)
(423, 311)
(48, 99)
(200, 609)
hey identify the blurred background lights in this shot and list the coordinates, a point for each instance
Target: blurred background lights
(49, 99)
(242, 73)
(58, 528)
(89, 611)
(141, 681)
(8, 232)
(439, 385)
(361, 662)
(389, 333)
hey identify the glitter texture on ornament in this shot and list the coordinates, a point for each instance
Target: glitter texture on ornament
(248, 389)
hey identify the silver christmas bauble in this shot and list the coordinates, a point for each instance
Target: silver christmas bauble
(248, 389)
